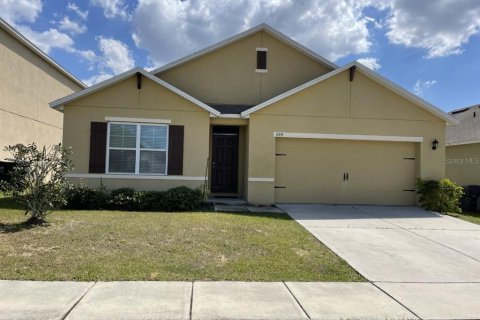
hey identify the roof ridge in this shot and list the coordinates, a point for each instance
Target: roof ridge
(115, 79)
(371, 74)
(220, 44)
(459, 110)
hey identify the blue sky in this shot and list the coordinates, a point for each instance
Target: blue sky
(430, 47)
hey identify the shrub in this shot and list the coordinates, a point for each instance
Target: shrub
(81, 197)
(37, 179)
(124, 199)
(150, 200)
(440, 196)
(182, 199)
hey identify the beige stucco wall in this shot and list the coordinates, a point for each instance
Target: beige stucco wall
(151, 101)
(338, 106)
(137, 184)
(27, 84)
(227, 75)
(463, 164)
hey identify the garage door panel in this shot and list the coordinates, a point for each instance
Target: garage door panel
(302, 166)
(312, 171)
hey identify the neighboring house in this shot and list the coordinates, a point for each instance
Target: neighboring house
(463, 147)
(262, 118)
(29, 80)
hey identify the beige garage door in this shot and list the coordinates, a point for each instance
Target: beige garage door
(344, 172)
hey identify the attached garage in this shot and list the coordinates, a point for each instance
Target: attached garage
(349, 137)
(345, 171)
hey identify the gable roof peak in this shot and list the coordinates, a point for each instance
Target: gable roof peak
(4, 25)
(370, 74)
(261, 27)
(59, 103)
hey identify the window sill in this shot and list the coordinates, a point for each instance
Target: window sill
(132, 176)
(261, 70)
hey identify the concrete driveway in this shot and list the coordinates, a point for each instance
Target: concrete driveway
(429, 263)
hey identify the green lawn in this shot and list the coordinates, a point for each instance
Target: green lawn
(113, 245)
(473, 217)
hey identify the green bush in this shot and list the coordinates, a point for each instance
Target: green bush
(440, 196)
(182, 199)
(150, 200)
(81, 197)
(124, 199)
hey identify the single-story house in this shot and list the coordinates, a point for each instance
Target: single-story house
(257, 116)
(462, 159)
(29, 80)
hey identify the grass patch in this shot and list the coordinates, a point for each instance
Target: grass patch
(473, 217)
(116, 245)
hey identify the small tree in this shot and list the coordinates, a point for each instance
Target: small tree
(37, 179)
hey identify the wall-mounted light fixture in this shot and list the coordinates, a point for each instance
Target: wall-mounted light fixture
(434, 144)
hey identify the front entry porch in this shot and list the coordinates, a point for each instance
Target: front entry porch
(228, 158)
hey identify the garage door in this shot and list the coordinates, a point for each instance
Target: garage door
(344, 172)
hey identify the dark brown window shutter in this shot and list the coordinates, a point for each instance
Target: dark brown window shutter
(175, 150)
(98, 147)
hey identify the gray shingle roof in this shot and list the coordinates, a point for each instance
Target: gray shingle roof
(468, 130)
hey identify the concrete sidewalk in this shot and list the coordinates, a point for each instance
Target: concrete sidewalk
(197, 300)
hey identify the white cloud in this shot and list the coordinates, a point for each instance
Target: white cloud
(114, 58)
(88, 55)
(333, 28)
(440, 27)
(81, 14)
(18, 11)
(49, 39)
(71, 26)
(372, 63)
(376, 23)
(97, 78)
(14, 11)
(115, 55)
(112, 8)
(170, 29)
(420, 86)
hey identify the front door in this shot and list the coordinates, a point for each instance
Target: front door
(224, 159)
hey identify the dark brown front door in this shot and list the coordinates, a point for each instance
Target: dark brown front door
(224, 159)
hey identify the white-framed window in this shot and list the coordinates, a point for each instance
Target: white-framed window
(137, 148)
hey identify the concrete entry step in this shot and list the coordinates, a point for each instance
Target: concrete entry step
(240, 205)
(227, 201)
(243, 208)
(229, 208)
